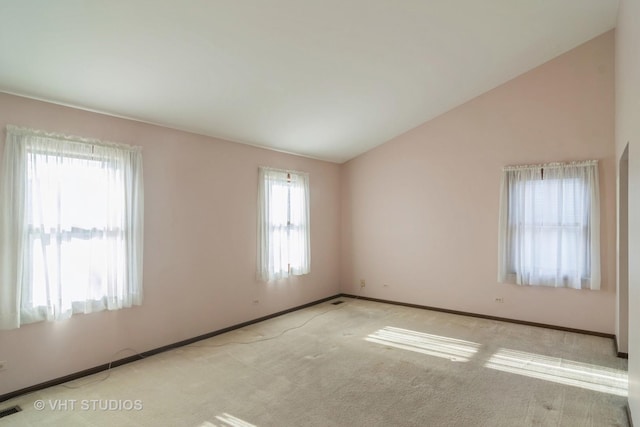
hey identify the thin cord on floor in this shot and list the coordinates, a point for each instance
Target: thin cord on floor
(108, 373)
(268, 338)
(141, 356)
(274, 336)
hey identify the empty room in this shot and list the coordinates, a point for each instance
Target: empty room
(320, 213)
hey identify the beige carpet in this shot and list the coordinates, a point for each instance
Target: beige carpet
(360, 363)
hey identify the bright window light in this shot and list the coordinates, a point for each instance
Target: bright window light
(75, 229)
(283, 224)
(561, 371)
(549, 225)
(72, 226)
(433, 345)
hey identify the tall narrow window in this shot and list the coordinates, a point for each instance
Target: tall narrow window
(71, 227)
(550, 225)
(283, 224)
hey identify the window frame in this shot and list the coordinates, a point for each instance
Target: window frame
(25, 150)
(526, 255)
(64, 235)
(283, 239)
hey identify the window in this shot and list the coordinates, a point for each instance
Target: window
(549, 225)
(72, 227)
(283, 224)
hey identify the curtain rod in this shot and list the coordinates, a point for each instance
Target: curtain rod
(283, 170)
(16, 130)
(551, 165)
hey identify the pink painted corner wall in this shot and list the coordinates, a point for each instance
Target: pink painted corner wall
(199, 249)
(420, 213)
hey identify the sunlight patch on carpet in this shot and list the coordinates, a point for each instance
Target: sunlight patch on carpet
(433, 345)
(562, 371)
(227, 420)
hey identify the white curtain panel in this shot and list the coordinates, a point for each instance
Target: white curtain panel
(283, 224)
(550, 225)
(71, 227)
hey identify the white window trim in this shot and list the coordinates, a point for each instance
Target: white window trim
(13, 223)
(271, 258)
(588, 171)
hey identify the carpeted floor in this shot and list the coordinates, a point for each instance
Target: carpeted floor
(359, 363)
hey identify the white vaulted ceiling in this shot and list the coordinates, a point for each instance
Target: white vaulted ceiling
(328, 79)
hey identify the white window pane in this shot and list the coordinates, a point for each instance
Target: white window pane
(547, 228)
(283, 213)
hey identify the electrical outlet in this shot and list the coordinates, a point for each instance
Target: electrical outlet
(362, 283)
(3, 365)
(500, 299)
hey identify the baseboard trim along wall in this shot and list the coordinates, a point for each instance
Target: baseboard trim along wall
(486, 316)
(119, 362)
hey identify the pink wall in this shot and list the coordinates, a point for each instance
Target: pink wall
(420, 213)
(200, 246)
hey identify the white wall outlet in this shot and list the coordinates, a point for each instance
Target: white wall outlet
(362, 283)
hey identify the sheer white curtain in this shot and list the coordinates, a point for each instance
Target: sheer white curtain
(550, 225)
(283, 224)
(71, 229)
